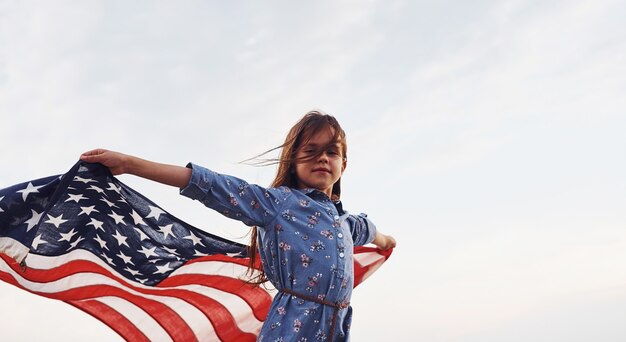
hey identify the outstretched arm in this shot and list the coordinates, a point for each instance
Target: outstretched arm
(383, 241)
(120, 163)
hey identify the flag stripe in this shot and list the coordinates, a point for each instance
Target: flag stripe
(122, 324)
(256, 297)
(243, 313)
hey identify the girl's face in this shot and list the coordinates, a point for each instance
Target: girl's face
(324, 170)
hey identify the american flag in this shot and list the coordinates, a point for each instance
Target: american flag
(89, 240)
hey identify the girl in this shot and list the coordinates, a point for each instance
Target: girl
(305, 238)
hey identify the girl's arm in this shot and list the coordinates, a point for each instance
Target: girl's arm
(120, 163)
(383, 241)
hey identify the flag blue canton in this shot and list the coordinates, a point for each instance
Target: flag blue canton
(87, 208)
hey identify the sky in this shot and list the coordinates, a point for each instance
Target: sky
(487, 137)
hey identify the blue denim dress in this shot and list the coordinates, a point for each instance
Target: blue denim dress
(306, 244)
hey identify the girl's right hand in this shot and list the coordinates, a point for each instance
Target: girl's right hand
(115, 161)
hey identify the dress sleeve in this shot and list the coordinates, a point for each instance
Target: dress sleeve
(233, 197)
(362, 229)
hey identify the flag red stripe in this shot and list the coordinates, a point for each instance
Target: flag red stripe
(256, 297)
(222, 320)
(111, 318)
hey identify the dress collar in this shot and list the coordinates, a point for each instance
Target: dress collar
(313, 193)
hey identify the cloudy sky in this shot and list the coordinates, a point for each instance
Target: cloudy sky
(486, 136)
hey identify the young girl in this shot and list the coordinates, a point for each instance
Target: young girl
(305, 238)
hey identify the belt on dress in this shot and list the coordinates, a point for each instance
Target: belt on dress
(337, 306)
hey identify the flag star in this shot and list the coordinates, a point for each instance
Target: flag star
(155, 212)
(67, 236)
(75, 243)
(131, 271)
(142, 235)
(76, 198)
(88, 210)
(143, 281)
(148, 252)
(196, 240)
(97, 224)
(122, 199)
(33, 220)
(127, 259)
(154, 261)
(37, 241)
(137, 218)
(234, 254)
(1, 210)
(109, 203)
(121, 239)
(167, 230)
(171, 250)
(109, 260)
(29, 190)
(198, 253)
(93, 187)
(113, 187)
(163, 269)
(56, 221)
(84, 180)
(118, 218)
(103, 244)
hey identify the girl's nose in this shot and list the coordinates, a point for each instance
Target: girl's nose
(323, 157)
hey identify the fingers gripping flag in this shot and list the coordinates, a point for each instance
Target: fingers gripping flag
(89, 240)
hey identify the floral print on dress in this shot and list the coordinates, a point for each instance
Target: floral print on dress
(306, 260)
(287, 215)
(313, 219)
(297, 324)
(255, 204)
(233, 201)
(327, 233)
(313, 282)
(317, 246)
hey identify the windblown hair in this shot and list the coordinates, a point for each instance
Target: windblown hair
(300, 134)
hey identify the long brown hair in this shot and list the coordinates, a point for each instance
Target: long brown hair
(300, 134)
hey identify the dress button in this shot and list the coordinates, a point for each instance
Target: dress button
(341, 255)
(340, 235)
(336, 217)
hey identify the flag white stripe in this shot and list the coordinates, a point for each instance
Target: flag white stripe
(372, 268)
(139, 318)
(367, 258)
(214, 267)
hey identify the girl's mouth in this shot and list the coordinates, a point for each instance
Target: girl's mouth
(321, 170)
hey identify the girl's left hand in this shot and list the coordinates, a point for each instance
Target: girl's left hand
(383, 241)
